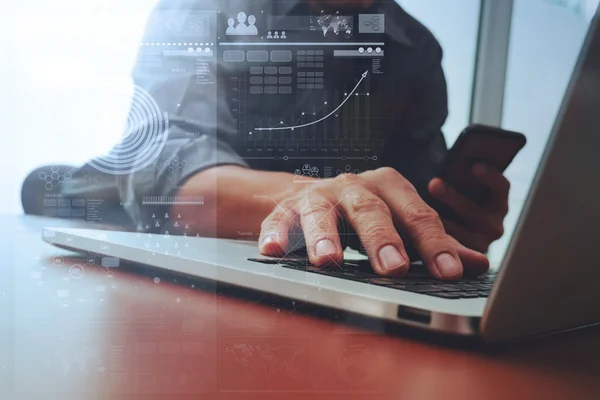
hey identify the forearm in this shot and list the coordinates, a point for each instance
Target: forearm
(236, 200)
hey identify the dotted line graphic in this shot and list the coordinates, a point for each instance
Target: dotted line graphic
(175, 44)
(175, 164)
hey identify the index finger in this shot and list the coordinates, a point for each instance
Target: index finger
(497, 183)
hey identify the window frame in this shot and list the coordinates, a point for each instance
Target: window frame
(491, 62)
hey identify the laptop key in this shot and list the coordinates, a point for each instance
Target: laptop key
(265, 260)
(382, 281)
(399, 287)
(351, 276)
(448, 288)
(446, 295)
(332, 272)
(480, 286)
(424, 289)
(296, 263)
(469, 288)
(470, 295)
(423, 282)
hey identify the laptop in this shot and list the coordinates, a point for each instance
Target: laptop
(546, 283)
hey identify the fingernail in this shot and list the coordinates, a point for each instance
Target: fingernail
(480, 169)
(326, 248)
(448, 266)
(268, 240)
(390, 258)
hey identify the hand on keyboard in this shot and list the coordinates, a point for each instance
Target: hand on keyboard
(377, 204)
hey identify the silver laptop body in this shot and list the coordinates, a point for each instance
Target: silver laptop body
(549, 280)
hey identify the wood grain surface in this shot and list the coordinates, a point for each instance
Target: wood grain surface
(70, 329)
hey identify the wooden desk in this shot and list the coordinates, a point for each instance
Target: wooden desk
(87, 333)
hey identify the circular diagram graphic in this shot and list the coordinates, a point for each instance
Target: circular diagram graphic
(144, 138)
(76, 271)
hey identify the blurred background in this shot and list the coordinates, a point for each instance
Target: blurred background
(65, 78)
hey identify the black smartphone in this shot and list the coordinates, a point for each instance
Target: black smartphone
(492, 146)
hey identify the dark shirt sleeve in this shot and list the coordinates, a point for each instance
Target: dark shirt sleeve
(426, 110)
(429, 110)
(181, 158)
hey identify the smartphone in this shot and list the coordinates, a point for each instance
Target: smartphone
(492, 146)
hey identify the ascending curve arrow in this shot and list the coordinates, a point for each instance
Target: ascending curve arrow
(291, 128)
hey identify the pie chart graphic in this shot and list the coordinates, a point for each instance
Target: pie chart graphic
(144, 138)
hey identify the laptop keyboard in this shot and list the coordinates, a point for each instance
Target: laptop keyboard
(417, 280)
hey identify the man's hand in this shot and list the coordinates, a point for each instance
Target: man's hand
(483, 224)
(378, 204)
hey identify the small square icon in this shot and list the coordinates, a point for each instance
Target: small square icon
(371, 23)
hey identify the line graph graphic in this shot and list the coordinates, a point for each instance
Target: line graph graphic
(291, 128)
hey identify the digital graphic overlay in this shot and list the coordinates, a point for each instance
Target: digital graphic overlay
(144, 138)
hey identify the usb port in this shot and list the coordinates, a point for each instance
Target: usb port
(414, 315)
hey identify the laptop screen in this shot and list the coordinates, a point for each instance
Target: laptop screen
(532, 101)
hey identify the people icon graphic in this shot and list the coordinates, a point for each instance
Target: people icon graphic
(230, 28)
(276, 35)
(242, 28)
(283, 35)
(252, 30)
(307, 174)
(348, 170)
(269, 35)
